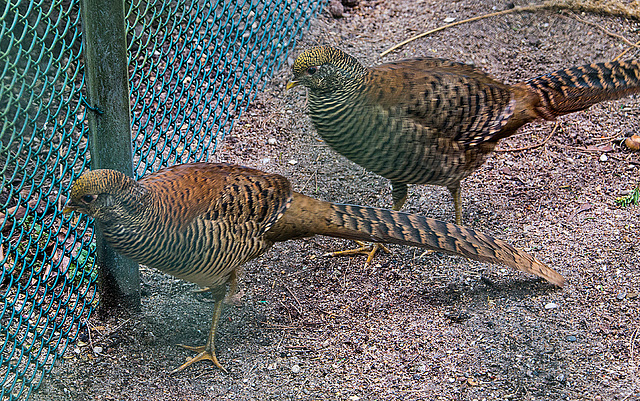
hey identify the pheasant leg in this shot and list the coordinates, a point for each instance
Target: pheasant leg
(207, 351)
(364, 249)
(399, 195)
(457, 202)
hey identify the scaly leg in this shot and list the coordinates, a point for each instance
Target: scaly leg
(457, 203)
(208, 351)
(364, 249)
(399, 196)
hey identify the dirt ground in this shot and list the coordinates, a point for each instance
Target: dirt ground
(413, 326)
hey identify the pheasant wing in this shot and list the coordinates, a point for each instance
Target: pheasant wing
(454, 100)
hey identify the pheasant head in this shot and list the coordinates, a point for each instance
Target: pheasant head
(106, 195)
(325, 69)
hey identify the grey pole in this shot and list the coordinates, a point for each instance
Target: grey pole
(107, 81)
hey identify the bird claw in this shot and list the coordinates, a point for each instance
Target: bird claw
(426, 253)
(364, 249)
(201, 290)
(203, 353)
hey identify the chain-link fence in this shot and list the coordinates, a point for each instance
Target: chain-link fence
(193, 66)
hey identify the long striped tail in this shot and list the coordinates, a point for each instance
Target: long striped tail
(307, 217)
(577, 88)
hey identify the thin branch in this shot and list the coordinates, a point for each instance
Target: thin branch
(516, 9)
(633, 340)
(608, 8)
(293, 295)
(615, 35)
(627, 50)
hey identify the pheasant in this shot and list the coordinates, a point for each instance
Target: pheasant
(434, 121)
(200, 222)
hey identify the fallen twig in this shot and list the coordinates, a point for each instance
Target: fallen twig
(615, 35)
(609, 8)
(293, 295)
(626, 50)
(516, 9)
(112, 331)
(633, 339)
(609, 138)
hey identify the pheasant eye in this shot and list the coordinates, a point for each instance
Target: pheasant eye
(312, 70)
(88, 198)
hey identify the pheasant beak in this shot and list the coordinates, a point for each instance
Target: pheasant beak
(68, 208)
(292, 84)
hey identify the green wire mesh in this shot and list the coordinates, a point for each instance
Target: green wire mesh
(193, 65)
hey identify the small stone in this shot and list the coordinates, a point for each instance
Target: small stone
(272, 141)
(271, 366)
(266, 160)
(354, 398)
(472, 382)
(632, 295)
(293, 162)
(603, 158)
(533, 41)
(633, 142)
(336, 8)
(621, 296)
(551, 305)
(97, 349)
(449, 19)
(571, 339)
(561, 378)
(295, 368)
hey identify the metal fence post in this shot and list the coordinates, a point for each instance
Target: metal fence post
(107, 81)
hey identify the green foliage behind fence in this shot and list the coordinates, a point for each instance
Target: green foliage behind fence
(193, 67)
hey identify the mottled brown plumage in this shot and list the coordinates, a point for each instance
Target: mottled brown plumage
(433, 121)
(201, 222)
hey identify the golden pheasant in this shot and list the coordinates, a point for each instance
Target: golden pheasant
(434, 121)
(200, 222)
